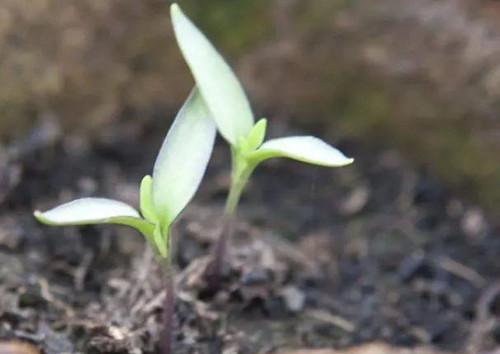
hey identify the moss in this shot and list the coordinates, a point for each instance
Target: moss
(426, 131)
(364, 112)
(312, 16)
(235, 25)
(86, 69)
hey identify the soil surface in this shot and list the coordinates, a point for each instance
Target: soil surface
(378, 251)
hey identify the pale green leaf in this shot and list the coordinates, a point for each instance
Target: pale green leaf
(218, 84)
(183, 158)
(87, 211)
(147, 205)
(257, 134)
(302, 148)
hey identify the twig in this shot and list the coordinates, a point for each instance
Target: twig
(461, 271)
(47, 296)
(484, 321)
(144, 270)
(334, 320)
(82, 270)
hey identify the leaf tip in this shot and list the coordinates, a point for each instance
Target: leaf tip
(146, 179)
(176, 14)
(39, 216)
(344, 161)
(175, 9)
(257, 134)
(262, 124)
(347, 161)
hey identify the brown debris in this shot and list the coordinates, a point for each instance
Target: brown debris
(17, 347)
(397, 271)
(373, 348)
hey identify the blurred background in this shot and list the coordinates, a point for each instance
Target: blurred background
(400, 247)
(421, 76)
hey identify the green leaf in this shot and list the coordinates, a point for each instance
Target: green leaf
(147, 205)
(257, 134)
(86, 211)
(183, 158)
(302, 148)
(218, 84)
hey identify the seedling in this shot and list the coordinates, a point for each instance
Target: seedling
(229, 107)
(177, 173)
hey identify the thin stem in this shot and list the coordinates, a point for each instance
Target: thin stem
(238, 183)
(214, 271)
(239, 179)
(168, 306)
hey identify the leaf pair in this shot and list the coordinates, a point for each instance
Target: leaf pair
(177, 173)
(229, 106)
(181, 163)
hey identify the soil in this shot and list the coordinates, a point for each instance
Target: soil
(379, 251)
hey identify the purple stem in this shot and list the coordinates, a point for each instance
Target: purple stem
(215, 269)
(168, 308)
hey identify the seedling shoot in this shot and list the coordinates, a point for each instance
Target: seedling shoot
(218, 102)
(177, 173)
(229, 106)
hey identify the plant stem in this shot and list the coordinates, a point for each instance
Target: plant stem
(216, 266)
(168, 306)
(238, 183)
(239, 179)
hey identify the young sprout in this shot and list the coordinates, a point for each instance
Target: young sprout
(177, 173)
(229, 107)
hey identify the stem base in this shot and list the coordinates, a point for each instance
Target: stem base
(168, 309)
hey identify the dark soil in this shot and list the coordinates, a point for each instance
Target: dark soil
(321, 258)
